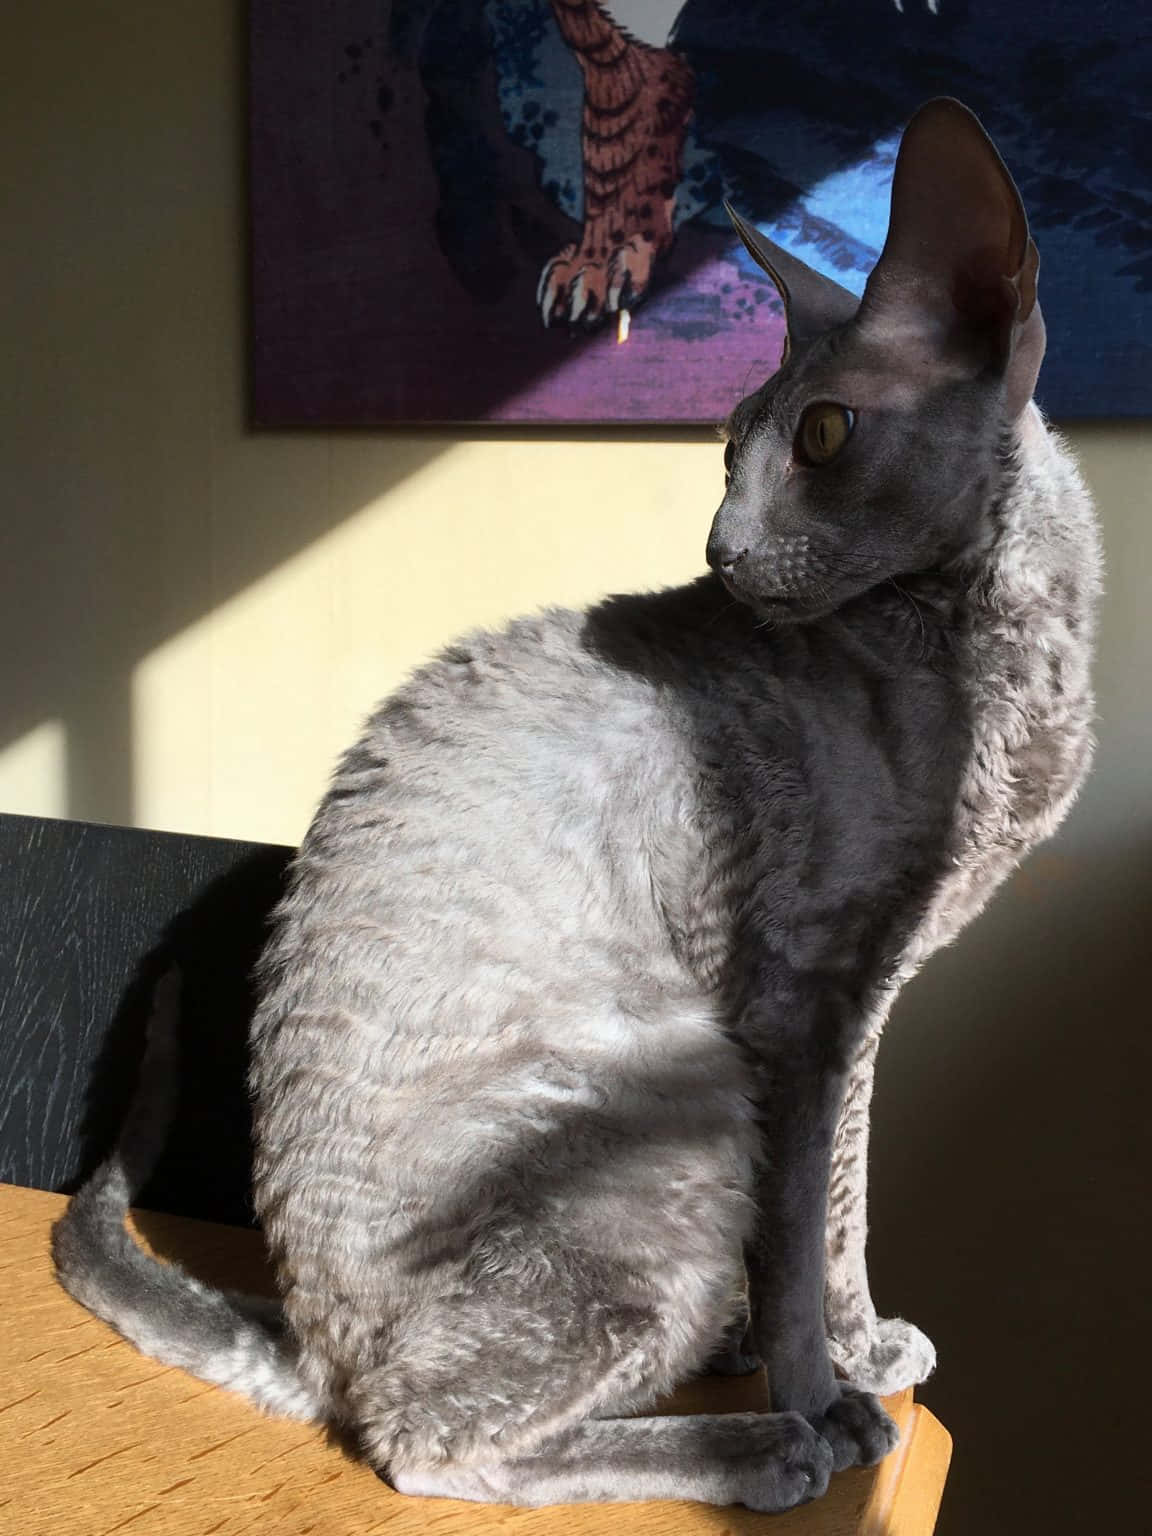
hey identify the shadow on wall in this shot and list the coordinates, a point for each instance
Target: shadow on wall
(127, 470)
(1009, 1204)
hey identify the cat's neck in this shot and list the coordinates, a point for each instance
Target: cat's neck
(1038, 555)
(1043, 559)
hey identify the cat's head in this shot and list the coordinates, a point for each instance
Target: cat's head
(871, 452)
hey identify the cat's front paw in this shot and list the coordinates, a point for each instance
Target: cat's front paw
(857, 1429)
(885, 1358)
(791, 1464)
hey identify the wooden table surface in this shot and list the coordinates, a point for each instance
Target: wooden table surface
(95, 1438)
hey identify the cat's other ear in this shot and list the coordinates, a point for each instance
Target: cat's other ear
(958, 268)
(813, 303)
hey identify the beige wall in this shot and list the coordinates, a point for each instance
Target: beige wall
(194, 617)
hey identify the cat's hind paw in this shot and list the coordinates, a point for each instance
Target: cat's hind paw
(857, 1429)
(734, 1354)
(888, 1357)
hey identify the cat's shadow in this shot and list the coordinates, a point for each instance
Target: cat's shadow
(205, 1168)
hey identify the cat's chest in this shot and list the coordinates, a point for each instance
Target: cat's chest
(1030, 706)
(844, 808)
(823, 813)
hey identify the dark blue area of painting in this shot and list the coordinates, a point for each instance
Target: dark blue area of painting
(541, 94)
(788, 91)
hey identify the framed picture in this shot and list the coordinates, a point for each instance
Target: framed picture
(511, 210)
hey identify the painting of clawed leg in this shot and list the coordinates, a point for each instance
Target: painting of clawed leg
(638, 97)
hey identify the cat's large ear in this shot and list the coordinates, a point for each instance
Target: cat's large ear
(958, 268)
(813, 303)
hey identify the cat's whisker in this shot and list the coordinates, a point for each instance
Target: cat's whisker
(916, 609)
(719, 614)
(751, 370)
(847, 563)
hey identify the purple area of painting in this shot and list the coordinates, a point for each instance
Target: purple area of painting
(706, 336)
(360, 313)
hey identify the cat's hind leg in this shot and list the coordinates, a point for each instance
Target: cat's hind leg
(518, 1395)
(767, 1461)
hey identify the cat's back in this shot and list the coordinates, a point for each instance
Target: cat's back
(531, 697)
(517, 821)
(508, 736)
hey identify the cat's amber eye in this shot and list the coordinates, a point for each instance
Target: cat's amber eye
(824, 429)
(729, 456)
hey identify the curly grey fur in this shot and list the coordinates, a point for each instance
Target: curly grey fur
(1034, 608)
(569, 1018)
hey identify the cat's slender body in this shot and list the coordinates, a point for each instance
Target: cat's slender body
(571, 1006)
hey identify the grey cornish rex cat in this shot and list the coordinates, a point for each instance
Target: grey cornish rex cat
(569, 1017)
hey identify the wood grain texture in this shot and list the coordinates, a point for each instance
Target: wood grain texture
(91, 915)
(95, 1439)
(908, 1488)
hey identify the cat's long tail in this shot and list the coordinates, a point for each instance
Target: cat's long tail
(224, 1337)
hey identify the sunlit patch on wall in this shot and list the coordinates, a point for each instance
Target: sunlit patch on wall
(34, 772)
(239, 718)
